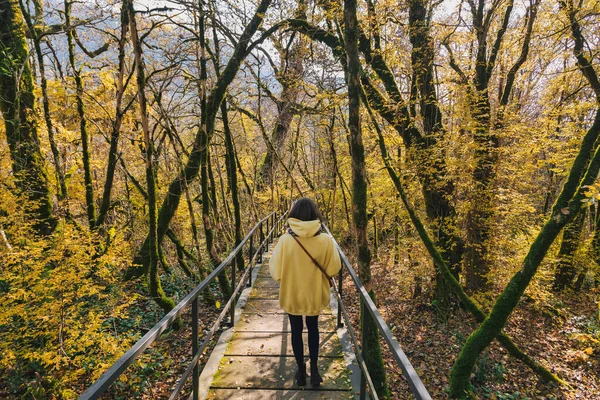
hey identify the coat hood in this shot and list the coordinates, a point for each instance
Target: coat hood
(304, 229)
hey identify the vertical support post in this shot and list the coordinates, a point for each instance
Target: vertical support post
(261, 249)
(232, 309)
(251, 266)
(268, 234)
(363, 386)
(363, 329)
(274, 219)
(196, 372)
(340, 324)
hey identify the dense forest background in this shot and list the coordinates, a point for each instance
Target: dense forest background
(451, 145)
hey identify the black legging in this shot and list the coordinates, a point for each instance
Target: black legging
(312, 325)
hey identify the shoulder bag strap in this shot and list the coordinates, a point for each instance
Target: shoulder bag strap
(329, 279)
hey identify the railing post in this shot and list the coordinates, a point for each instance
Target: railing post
(271, 237)
(262, 238)
(232, 310)
(340, 324)
(251, 266)
(363, 386)
(268, 234)
(196, 372)
(363, 343)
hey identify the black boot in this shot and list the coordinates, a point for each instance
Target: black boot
(315, 377)
(301, 375)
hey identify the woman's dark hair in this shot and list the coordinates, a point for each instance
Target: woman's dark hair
(305, 209)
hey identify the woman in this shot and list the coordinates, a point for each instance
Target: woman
(304, 289)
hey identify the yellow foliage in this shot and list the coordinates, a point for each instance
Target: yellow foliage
(60, 295)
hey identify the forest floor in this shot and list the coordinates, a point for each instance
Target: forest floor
(564, 337)
(156, 373)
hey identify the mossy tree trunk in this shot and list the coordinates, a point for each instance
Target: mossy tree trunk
(480, 215)
(481, 212)
(436, 189)
(204, 155)
(596, 237)
(17, 104)
(37, 43)
(116, 124)
(192, 167)
(232, 181)
(85, 145)
(369, 336)
(156, 291)
(565, 268)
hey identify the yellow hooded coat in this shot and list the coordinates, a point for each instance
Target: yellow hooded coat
(304, 290)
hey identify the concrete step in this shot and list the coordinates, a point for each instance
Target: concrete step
(278, 323)
(262, 394)
(263, 306)
(277, 343)
(276, 373)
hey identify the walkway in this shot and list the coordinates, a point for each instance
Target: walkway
(258, 362)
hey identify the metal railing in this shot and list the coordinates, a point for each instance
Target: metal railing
(273, 226)
(414, 382)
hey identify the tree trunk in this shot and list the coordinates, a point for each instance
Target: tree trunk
(596, 238)
(116, 126)
(565, 268)
(369, 337)
(17, 104)
(436, 189)
(479, 217)
(204, 155)
(232, 180)
(154, 280)
(60, 177)
(85, 146)
(334, 172)
(289, 77)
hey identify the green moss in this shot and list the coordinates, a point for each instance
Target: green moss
(371, 351)
(17, 104)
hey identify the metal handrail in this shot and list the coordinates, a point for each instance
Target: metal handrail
(274, 225)
(414, 382)
(117, 369)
